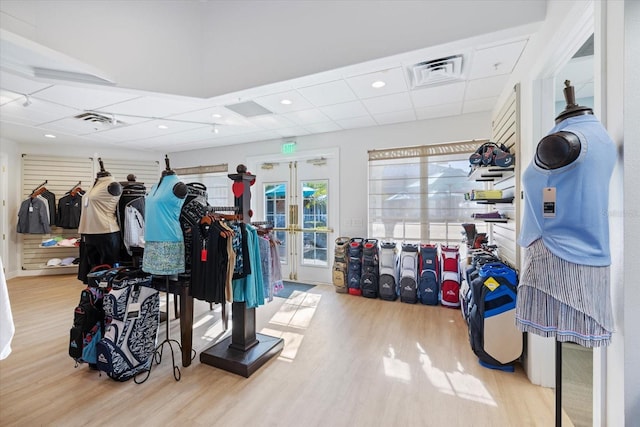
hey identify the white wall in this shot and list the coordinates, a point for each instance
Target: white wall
(14, 151)
(353, 146)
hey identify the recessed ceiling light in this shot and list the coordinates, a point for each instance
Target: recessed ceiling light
(163, 127)
(286, 102)
(216, 116)
(48, 135)
(378, 84)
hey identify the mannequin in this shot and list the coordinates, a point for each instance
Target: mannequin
(99, 230)
(564, 285)
(164, 241)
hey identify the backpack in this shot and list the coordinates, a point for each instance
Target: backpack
(387, 281)
(355, 265)
(493, 336)
(370, 264)
(408, 273)
(88, 316)
(340, 261)
(429, 280)
(450, 284)
(132, 308)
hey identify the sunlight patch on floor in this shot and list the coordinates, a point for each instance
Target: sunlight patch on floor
(295, 313)
(396, 368)
(456, 383)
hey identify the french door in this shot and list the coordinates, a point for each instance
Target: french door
(299, 197)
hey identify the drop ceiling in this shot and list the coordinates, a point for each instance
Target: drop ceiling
(317, 100)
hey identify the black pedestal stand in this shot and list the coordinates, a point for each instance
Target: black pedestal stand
(244, 351)
(558, 383)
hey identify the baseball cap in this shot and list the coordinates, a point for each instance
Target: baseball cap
(67, 261)
(54, 262)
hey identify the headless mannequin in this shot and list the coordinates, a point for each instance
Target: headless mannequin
(561, 148)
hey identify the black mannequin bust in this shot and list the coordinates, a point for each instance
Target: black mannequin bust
(180, 188)
(115, 188)
(561, 148)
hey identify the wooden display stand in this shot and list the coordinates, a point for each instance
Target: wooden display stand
(245, 351)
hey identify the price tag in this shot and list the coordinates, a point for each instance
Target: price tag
(133, 310)
(549, 202)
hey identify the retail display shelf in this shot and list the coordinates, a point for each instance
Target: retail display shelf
(489, 173)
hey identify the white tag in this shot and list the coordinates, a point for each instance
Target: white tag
(133, 310)
(549, 202)
(30, 208)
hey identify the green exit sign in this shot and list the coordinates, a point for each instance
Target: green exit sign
(288, 147)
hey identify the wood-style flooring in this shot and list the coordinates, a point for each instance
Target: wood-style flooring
(347, 361)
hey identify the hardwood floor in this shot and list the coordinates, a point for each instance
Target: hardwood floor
(347, 361)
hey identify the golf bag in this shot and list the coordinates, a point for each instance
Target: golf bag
(133, 308)
(450, 285)
(355, 265)
(369, 279)
(429, 280)
(388, 279)
(408, 272)
(493, 335)
(340, 262)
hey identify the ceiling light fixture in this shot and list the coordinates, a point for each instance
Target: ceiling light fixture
(286, 102)
(27, 101)
(216, 116)
(49, 135)
(215, 129)
(163, 127)
(378, 84)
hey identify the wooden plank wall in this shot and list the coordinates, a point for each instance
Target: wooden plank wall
(506, 130)
(62, 174)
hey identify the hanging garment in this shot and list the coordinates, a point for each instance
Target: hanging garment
(250, 288)
(133, 230)
(69, 211)
(51, 205)
(209, 262)
(32, 217)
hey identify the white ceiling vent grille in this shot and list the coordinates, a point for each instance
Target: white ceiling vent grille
(437, 71)
(99, 119)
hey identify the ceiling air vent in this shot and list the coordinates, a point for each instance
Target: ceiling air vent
(438, 71)
(107, 121)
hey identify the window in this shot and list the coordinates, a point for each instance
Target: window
(417, 194)
(214, 178)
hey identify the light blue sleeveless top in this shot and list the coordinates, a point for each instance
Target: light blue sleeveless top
(579, 232)
(162, 212)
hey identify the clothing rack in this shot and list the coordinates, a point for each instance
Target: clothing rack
(245, 351)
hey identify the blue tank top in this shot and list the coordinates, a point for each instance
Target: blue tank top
(162, 212)
(579, 231)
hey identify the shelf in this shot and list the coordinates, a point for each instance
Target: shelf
(497, 220)
(493, 201)
(489, 173)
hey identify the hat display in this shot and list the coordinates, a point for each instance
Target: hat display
(54, 262)
(67, 261)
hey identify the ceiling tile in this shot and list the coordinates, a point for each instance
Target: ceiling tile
(21, 85)
(356, 122)
(334, 92)
(393, 78)
(83, 98)
(153, 107)
(476, 105)
(345, 111)
(388, 103)
(306, 117)
(150, 129)
(496, 60)
(322, 127)
(443, 110)
(8, 96)
(37, 113)
(292, 131)
(271, 122)
(273, 102)
(486, 88)
(435, 95)
(395, 117)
